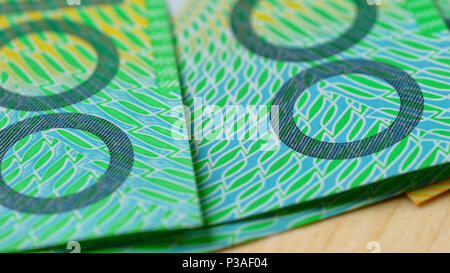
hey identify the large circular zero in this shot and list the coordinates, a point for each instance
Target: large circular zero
(410, 113)
(243, 31)
(106, 68)
(120, 165)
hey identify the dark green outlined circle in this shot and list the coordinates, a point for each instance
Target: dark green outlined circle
(106, 68)
(120, 163)
(409, 115)
(243, 31)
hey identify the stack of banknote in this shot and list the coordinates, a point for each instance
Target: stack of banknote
(125, 129)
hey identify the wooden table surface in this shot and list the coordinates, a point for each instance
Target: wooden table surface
(395, 225)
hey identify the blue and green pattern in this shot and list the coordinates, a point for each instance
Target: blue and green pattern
(204, 39)
(214, 237)
(349, 96)
(367, 70)
(91, 144)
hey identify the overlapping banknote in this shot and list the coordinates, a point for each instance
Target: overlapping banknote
(87, 106)
(428, 193)
(295, 110)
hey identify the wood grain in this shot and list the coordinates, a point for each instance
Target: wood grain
(397, 224)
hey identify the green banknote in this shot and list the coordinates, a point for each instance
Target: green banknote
(293, 101)
(250, 184)
(91, 144)
(248, 189)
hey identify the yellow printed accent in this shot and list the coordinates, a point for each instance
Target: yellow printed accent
(263, 17)
(425, 194)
